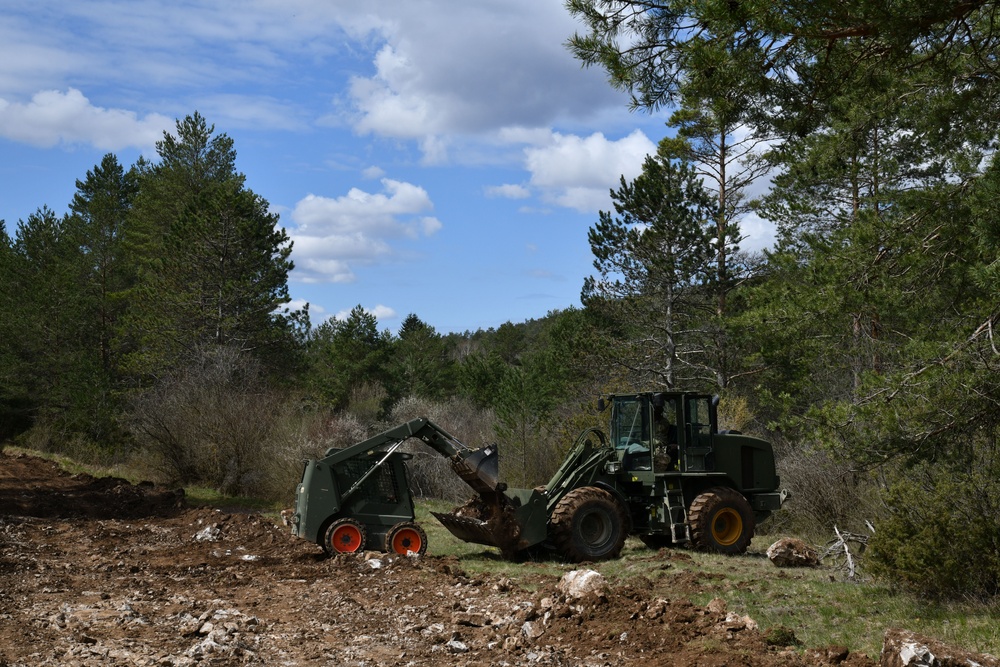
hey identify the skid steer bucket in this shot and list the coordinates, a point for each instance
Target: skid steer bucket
(480, 469)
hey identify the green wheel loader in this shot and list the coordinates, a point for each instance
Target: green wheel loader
(663, 471)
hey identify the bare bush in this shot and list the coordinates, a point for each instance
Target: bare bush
(366, 401)
(825, 493)
(431, 474)
(212, 422)
(735, 414)
(301, 435)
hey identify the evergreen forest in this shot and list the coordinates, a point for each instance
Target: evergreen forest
(151, 322)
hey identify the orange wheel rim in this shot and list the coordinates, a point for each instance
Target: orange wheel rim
(346, 539)
(727, 526)
(406, 540)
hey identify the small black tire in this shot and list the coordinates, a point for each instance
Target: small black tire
(588, 524)
(344, 536)
(722, 521)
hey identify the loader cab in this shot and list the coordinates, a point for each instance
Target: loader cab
(645, 430)
(663, 432)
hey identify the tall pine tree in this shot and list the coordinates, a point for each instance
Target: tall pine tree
(213, 263)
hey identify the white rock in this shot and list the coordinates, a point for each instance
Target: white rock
(209, 533)
(532, 630)
(792, 552)
(456, 646)
(580, 583)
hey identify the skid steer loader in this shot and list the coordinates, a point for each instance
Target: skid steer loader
(663, 472)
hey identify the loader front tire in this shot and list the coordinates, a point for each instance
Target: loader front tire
(588, 524)
(344, 536)
(721, 520)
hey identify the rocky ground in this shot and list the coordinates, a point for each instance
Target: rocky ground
(103, 572)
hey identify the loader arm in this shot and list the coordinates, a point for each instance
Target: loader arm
(582, 465)
(477, 467)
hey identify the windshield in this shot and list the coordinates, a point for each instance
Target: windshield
(699, 417)
(628, 427)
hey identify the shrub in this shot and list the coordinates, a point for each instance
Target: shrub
(941, 537)
(213, 422)
(430, 473)
(825, 493)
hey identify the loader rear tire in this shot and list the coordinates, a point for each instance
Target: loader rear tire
(344, 536)
(588, 524)
(721, 520)
(406, 538)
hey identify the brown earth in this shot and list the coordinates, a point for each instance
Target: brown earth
(103, 572)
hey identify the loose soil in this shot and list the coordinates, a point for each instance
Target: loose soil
(103, 572)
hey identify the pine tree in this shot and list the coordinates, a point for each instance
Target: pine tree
(213, 263)
(653, 264)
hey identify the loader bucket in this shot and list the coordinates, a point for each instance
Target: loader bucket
(467, 529)
(487, 519)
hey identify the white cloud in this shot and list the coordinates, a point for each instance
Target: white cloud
(470, 69)
(380, 312)
(331, 234)
(758, 233)
(251, 111)
(299, 304)
(508, 191)
(53, 117)
(578, 172)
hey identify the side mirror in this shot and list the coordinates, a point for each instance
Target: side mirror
(601, 405)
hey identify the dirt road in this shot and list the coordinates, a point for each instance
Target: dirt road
(102, 572)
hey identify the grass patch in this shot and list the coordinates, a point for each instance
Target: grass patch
(816, 604)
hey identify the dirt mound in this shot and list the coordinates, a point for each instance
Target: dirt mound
(100, 572)
(30, 486)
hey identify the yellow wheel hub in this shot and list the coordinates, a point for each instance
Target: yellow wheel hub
(727, 526)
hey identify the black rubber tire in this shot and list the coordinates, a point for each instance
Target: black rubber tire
(588, 524)
(402, 537)
(344, 536)
(657, 541)
(721, 520)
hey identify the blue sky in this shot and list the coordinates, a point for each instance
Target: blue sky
(426, 156)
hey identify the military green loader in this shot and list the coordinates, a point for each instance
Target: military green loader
(663, 472)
